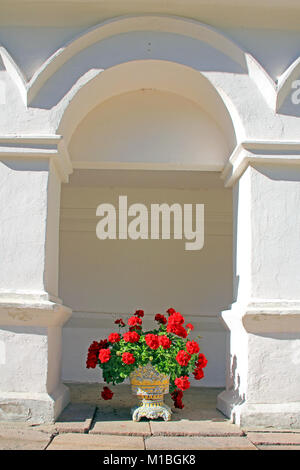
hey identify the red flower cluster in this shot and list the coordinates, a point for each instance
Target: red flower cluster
(131, 337)
(177, 398)
(183, 358)
(128, 358)
(175, 325)
(202, 361)
(134, 321)
(200, 364)
(192, 347)
(107, 394)
(164, 341)
(120, 322)
(160, 318)
(139, 313)
(114, 338)
(93, 353)
(104, 355)
(152, 341)
(189, 326)
(182, 383)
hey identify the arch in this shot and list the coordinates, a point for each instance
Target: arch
(119, 25)
(98, 86)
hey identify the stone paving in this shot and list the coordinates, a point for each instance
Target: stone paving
(108, 426)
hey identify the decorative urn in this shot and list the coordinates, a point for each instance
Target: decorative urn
(150, 387)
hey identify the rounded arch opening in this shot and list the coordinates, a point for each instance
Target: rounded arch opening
(97, 87)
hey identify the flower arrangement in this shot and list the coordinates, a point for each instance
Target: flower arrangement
(166, 347)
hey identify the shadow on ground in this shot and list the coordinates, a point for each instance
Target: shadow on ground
(199, 403)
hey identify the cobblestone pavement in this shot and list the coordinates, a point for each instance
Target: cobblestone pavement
(108, 426)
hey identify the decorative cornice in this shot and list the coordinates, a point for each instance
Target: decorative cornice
(258, 152)
(264, 316)
(38, 147)
(26, 311)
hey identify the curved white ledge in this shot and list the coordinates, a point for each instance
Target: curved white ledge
(119, 25)
(97, 86)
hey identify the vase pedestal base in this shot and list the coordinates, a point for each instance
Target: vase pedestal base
(151, 411)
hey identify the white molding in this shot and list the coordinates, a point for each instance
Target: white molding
(264, 316)
(38, 147)
(89, 165)
(251, 152)
(25, 312)
(95, 319)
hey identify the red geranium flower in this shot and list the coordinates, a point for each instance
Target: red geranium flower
(160, 318)
(134, 321)
(131, 337)
(164, 341)
(183, 358)
(189, 326)
(104, 355)
(175, 325)
(152, 341)
(202, 361)
(128, 358)
(107, 394)
(176, 319)
(182, 382)
(177, 330)
(192, 347)
(177, 398)
(93, 353)
(139, 313)
(120, 322)
(170, 311)
(198, 373)
(114, 338)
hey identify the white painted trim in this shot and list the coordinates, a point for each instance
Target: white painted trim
(38, 147)
(88, 165)
(33, 313)
(264, 316)
(250, 152)
(94, 319)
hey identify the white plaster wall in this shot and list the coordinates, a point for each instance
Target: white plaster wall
(275, 247)
(26, 356)
(101, 280)
(264, 384)
(23, 199)
(149, 126)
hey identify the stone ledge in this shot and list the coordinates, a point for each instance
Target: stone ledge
(78, 441)
(121, 428)
(272, 438)
(198, 443)
(76, 418)
(195, 428)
